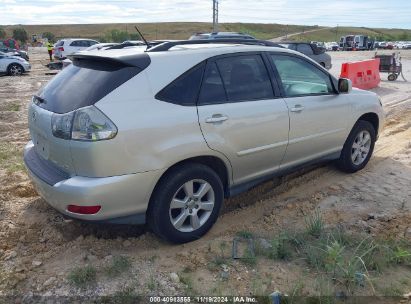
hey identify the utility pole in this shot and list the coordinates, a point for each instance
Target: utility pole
(336, 34)
(215, 15)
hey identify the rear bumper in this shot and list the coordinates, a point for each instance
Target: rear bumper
(123, 199)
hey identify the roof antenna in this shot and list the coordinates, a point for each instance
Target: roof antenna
(142, 37)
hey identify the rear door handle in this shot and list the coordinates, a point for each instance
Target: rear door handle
(297, 108)
(216, 118)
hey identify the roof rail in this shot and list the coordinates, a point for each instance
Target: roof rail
(168, 45)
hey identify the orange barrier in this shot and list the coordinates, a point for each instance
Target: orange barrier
(363, 74)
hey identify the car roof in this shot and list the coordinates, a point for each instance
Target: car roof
(212, 49)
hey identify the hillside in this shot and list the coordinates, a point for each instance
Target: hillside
(170, 30)
(183, 30)
(334, 34)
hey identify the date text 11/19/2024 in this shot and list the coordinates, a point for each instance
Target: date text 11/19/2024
(188, 300)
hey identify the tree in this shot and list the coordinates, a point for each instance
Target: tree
(2, 33)
(404, 36)
(50, 36)
(20, 34)
(117, 36)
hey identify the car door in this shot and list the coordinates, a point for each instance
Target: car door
(318, 114)
(241, 115)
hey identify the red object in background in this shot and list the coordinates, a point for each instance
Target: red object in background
(11, 43)
(363, 74)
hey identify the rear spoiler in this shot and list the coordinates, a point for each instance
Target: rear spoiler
(140, 60)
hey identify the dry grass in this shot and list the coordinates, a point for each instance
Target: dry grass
(166, 30)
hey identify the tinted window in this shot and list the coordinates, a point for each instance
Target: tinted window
(298, 77)
(290, 46)
(212, 89)
(245, 78)
(183, 90)
(60, 43)
(305, 49)
(83, 83)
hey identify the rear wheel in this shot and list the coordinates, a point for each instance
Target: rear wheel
(186, 203)
(358, 147)
(15, 69)
(392, 77)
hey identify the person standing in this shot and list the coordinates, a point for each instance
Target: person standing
(50, 49)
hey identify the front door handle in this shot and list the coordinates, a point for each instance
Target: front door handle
(297, 108)
(216, 118)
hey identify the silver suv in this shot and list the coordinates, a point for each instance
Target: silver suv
(163, 136)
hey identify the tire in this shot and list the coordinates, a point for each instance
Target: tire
(15, 69)
(353, 155)
(392, 77)
(175, 223)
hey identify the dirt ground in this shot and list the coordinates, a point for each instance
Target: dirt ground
(39, 249)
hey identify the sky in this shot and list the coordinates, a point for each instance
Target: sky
(367, 13)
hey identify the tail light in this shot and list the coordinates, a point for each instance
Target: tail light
(61, 49)
(85, 124)
(83, 209)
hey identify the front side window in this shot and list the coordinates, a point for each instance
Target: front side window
(183, 90)
(300, 78)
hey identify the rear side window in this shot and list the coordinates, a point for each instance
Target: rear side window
(212, 89)
(245, 78)
(83, 83)
(183, 90)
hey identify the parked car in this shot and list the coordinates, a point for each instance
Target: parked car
(382, 45)
(66, 47)
(220, 35)
(311, 50)
(15, 52)
(163, 136)
(13, 65)
(333, 46)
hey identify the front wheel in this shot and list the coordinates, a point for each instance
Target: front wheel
(15, 69)
(186, 203)
(358, 147)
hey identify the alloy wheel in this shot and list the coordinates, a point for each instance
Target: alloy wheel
(15, 70)
(361, 147)
(192, 205)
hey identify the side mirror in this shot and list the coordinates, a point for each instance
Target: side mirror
(344, 85)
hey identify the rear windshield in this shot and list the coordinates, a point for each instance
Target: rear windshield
(82, 84)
